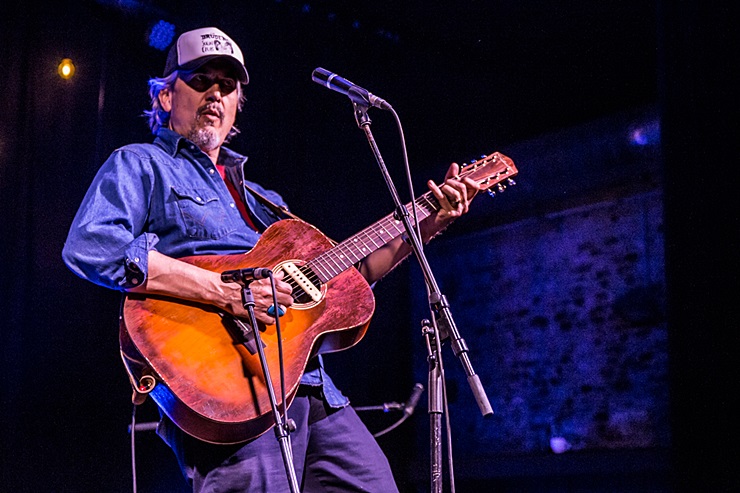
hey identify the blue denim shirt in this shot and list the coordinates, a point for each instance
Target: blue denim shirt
(167, 196)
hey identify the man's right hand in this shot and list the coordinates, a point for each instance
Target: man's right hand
(262, 292)
(172, 277)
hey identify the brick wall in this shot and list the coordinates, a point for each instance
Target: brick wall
(564, 315)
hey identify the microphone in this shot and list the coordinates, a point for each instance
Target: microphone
(244, 276)
(356, 93)
(408, 408)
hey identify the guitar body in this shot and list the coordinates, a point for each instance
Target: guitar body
(201, 367)
(207, 382)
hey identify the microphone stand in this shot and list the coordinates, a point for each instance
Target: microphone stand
(281, 429)
(436, 404)
(438, 304)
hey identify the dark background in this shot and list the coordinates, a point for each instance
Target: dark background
(467, 78)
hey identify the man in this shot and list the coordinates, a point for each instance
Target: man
(185, 195)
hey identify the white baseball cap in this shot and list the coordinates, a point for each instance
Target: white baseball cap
(195, 48)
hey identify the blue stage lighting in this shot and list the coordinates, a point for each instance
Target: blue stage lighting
(645, 135)
(161, 35)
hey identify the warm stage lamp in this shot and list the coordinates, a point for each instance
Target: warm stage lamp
(66, 69)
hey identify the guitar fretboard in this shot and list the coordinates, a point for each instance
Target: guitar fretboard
(488, 171)
(347, 253)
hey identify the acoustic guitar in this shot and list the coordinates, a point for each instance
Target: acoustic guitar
(201, 368)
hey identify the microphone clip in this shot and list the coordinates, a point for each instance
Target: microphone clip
(245, 276)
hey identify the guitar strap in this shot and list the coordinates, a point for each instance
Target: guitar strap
(281, 211)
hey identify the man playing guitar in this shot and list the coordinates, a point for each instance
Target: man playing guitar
(154, 209)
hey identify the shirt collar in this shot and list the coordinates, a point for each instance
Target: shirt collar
(229, 158)
(171, 142)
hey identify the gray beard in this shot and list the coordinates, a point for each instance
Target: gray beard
(206, 138)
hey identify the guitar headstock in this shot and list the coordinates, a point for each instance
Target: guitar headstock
(494, 170)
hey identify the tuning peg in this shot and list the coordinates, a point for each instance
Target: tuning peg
(500, 187)
(510, 182)
(491, 193)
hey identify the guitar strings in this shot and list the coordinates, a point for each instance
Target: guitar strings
(338, 256)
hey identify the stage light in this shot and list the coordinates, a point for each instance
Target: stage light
(66, 69)
(647, 134)
(161, 35)
(559, 445)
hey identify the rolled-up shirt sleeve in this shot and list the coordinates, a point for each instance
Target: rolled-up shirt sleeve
(107, 241)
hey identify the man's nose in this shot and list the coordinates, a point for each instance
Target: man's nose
(214, 92)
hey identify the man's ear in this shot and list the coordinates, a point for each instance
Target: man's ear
(165, 99)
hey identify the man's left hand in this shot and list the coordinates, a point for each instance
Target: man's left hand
(455, 193)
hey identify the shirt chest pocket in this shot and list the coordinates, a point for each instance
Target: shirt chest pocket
(202, 213)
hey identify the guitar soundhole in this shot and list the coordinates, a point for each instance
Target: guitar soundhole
(301, 297)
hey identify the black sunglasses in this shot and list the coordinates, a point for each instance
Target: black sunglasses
(202, 82)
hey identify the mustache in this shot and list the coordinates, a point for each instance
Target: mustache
(211, 108)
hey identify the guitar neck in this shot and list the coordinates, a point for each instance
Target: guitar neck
(355, 248)
(487, 172)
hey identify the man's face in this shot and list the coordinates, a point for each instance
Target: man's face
(203, 104)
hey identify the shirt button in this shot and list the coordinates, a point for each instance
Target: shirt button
(136, 259)
(199, 199)
(211, 171)
(232, 205)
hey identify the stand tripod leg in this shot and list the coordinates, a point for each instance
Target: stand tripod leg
(436, 407)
